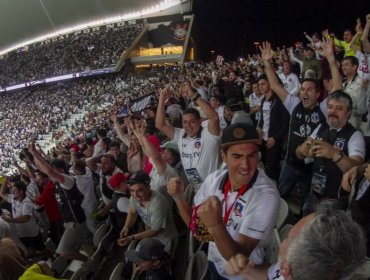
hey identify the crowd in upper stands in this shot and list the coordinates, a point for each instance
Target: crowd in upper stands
(82, 52)
(215, 146)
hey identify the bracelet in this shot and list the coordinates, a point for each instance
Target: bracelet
(196, 98)
(340, 156)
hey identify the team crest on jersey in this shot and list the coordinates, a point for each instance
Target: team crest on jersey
(238, 209)
(340, 143)
(197, 144)
(305, 130)
(315, 117)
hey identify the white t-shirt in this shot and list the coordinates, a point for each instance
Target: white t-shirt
(33, 191)
(266, 109)
(24, 208)
(85, 185)
(199, 155)
(254, 101)
(220, 112)
(159, 182)
(290, 82)
(254, 214)
(364, 64)
(356, 144)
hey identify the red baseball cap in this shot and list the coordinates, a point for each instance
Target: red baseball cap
(117, 179)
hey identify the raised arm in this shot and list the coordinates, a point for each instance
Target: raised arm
(271, 76)
(160, 118)
(4, 186)
(327, 51)
(150, 150)
(213, 119)
(365, 35)
(44, 166)
(124, 137)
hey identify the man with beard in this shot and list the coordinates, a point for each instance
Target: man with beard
(306, 115)
(105, 170)
(336, 147)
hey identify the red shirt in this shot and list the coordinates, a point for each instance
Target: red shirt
(47, 198)
(155, 141)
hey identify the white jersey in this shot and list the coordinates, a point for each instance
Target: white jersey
(24, 208)
(254, 213)
(273, 272)
(290, 82)
(199, 155)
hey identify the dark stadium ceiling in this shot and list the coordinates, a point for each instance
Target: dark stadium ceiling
(22, 20)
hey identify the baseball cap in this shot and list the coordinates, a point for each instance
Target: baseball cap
(148, 249)
(170, 145)
(239, 133)
(117, 179)
(139, 177)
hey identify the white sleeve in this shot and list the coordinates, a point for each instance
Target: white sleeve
(295, 90)
(177, 135)
(262, 219)
(356, 145)
(68, 182)
(291, 102)
(324, 106)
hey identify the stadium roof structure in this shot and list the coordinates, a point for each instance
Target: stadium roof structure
(22, 22)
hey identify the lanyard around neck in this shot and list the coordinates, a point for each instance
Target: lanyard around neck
(241, 191)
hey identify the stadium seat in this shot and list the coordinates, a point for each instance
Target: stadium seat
(284, 231)
(59, 265)
(100, 233)
(273, 247)
(197, 267)
(77, 275)
(283, 213)
(117, 272)
(107, 241)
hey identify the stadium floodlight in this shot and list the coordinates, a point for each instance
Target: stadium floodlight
(166, 4)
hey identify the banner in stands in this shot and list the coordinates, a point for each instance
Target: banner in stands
(139, 104)
(60, 78)
(166, 34)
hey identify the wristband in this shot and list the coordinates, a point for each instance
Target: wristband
(340, 156)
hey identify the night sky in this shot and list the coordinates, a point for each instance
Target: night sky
(229, 27)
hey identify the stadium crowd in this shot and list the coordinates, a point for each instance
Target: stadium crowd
(214, 146)
(82, 52)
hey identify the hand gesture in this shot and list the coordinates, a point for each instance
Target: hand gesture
(270, 143)
(113, 116)
(266, 52)
(325, 33)
(32, 147)
(236, 264)
(323, 149)
(327, 48)
(124, 241)
(175, 187)
(349, 178)
(358, 25)
(210, 212)
(305, 33)
(139, 130)
(123, 233)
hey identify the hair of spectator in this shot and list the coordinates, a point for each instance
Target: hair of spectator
(42, 174)
(106, 141)
(193, 111)
(80, 166)
(114, 143)
(101, 132)
(348, 30)
(352, 59)
(59, 164)
(340, 95)
(329, 248)
(20, 186)
(317, 85)
(176, 157)
(109, 156)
